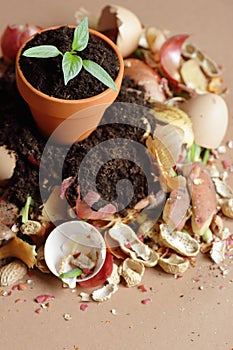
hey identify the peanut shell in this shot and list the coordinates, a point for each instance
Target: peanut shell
(12, 273)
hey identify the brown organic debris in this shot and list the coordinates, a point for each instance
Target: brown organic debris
(20, 249)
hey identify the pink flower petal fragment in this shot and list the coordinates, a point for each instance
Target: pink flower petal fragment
(44, 298)
(83, 307)
(146, 301)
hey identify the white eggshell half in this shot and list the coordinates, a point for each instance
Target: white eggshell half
(209, 116)
(73, 236)
(128, 24)
(8, 162)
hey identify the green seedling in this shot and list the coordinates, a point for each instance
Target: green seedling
(72, 63)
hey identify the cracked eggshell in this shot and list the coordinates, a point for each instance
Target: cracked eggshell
(70, 237)
(209, 117)
(114, 17)
(8, 162)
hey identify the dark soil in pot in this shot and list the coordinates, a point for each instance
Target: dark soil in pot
(46, 74)
(18, 132)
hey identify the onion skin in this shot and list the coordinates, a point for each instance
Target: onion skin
(146, 77)
(170, 57)
(102, 275)
(13, 37)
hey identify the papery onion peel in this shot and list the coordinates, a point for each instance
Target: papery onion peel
(170, 57)
(13, 37)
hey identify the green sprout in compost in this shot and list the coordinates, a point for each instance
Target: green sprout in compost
(72, 63)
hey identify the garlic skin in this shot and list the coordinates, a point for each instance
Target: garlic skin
(129, 27)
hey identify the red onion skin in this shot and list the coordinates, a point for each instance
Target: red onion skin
(170, 57)
(13, 37)
(102, 275)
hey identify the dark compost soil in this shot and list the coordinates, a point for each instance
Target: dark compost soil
(82, 86)
(18, 133)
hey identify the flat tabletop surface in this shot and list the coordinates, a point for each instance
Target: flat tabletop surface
(191, 312)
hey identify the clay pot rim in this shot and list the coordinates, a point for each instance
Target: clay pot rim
(57, 100)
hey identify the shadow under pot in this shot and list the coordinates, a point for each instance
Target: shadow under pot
(68, 112)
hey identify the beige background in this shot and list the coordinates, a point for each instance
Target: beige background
(193, 312)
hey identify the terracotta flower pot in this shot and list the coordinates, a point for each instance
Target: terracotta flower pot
(67, 121)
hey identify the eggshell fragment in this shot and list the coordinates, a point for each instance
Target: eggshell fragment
(114, 17)
(209, 116)
(8, 162)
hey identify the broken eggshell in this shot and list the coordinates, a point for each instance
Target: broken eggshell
(8, 158)
(122, 26)
(71, 237)
(209, 117)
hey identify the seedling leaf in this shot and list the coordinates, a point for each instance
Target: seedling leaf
(71, 66)
(42, 51)
(99, 73)
(81, 36)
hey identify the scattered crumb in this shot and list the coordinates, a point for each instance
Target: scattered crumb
(29, 281)
(20, 286)
(142, 288)
(85, 296)
(44, 298)
(114, 312)
(19, 300)
(67, 317)
(38, 311)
